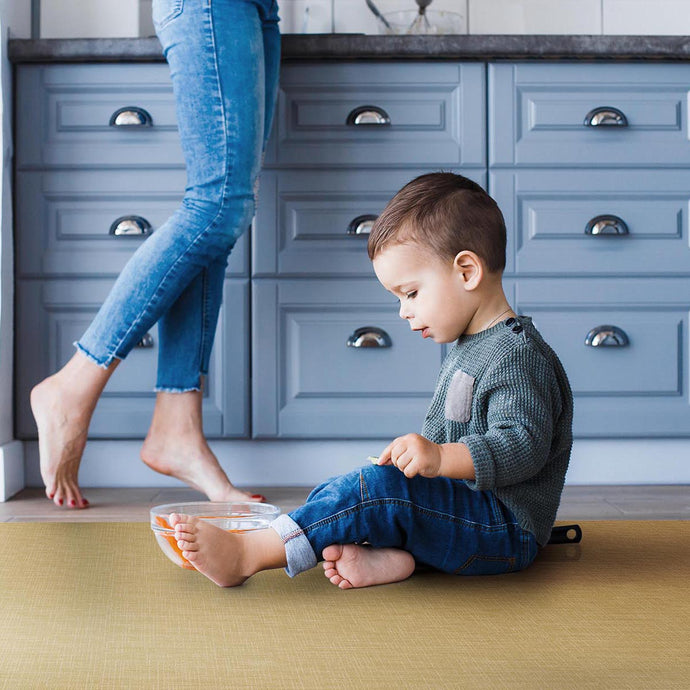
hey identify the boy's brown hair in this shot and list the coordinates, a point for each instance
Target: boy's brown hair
(446, 213)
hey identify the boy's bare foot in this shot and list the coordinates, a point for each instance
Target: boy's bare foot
(62, 431)
(226, 558)
(351, 565)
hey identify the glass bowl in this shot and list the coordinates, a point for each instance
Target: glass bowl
(232, 517)
(411, 22)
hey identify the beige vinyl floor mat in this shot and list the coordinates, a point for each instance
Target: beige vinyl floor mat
(97, 605)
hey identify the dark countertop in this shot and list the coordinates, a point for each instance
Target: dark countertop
(359, 46)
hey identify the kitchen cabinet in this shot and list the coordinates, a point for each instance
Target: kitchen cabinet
(331, 357)
(98, 167)
(589, 163)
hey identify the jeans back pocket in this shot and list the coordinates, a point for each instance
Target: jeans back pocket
(164, 11)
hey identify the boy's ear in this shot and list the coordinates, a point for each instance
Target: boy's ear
(470, 269)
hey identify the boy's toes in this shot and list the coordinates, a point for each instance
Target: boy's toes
(191, 556)
(332, 552)
(185, 545)
(175, 519)
(335, 579)
(185, 532)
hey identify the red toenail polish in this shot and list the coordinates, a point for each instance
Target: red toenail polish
(50, 496)
(60, 501)
(84, 502)
(259, 497)
(72, 502)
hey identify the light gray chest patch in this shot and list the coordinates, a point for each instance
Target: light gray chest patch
(459, 397)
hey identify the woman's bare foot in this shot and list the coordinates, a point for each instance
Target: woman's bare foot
(351, 565)
(223, 557)
(189, 459)
(176, 446)
(62, 406)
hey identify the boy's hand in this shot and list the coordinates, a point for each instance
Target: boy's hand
(413, 455)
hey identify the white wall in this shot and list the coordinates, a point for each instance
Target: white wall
(16, 17)
(670, 17)
(15, 20)
(89, 18)
(307, 463)
(121, 18)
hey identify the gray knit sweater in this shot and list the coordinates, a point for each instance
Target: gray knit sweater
(504, 394)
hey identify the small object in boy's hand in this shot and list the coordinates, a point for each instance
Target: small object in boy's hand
(373, 459)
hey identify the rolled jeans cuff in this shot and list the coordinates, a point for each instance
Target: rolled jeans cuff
(299, 554)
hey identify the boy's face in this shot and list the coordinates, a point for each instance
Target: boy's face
(433, 295)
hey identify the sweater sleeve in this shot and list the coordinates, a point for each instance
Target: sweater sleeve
(521, 405)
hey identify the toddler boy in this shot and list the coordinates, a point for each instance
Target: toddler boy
(477, 492)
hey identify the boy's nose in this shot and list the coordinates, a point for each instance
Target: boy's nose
(405, 312)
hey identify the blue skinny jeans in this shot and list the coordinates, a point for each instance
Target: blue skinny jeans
(441, 522)
(224, 58)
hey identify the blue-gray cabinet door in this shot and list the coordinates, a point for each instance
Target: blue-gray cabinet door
(308, 383)
(589, 115)
(69, 223)
(380, 114)
(71, 115)
(52, 314)
(317, 222)
(595, 222)
(632, 379)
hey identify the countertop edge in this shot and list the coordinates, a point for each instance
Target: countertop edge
(482, 47)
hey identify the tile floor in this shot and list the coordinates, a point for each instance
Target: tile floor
(132, 504)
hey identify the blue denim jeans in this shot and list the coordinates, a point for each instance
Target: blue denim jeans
(441, 522)
(224, 58)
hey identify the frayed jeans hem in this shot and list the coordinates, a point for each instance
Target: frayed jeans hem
(102, 364)
(168, 389)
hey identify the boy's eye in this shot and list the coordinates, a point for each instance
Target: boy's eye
(411, 295)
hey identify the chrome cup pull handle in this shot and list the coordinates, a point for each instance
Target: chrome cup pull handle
(131, 116)
(369, 336)
(607, 336)
(146, 342)
(607, 225)
(367, 115)
(605, 116)
(131, 226)
(361, 225)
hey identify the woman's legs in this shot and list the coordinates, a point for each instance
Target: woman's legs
(175, 443)
(216, 53)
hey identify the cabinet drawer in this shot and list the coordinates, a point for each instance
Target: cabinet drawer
(639, 388)
(596, 221)
(415, 113)
(317, 222)
(537, 114)
(309, 383)
(51, 315)
(65, 219)
(64, 111)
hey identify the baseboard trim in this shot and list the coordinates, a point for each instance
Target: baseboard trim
(11, 469)
(309, 462)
